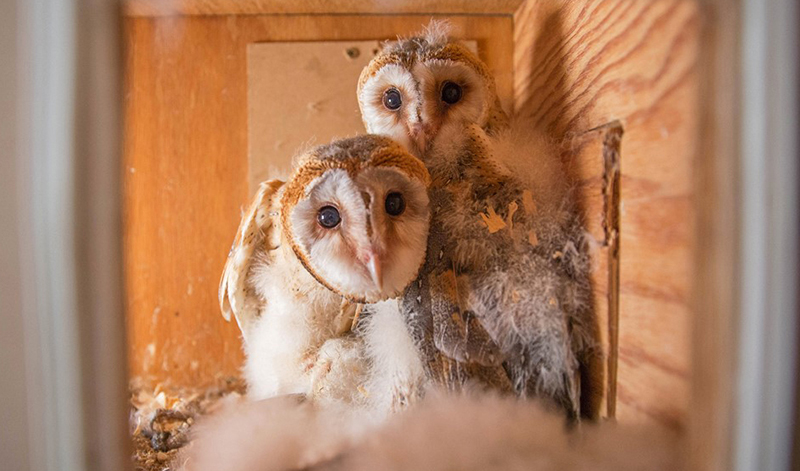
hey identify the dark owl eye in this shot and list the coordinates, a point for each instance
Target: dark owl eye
(395, 204)
(451, 93)
(328, 217)
(392, 99)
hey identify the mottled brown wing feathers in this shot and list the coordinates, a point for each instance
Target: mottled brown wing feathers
(259, 227)
(456, 331)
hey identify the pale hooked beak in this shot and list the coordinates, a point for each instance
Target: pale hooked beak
(374, 267)
(419, 136)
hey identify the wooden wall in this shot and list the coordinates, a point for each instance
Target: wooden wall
(581, 70)
(579, 66)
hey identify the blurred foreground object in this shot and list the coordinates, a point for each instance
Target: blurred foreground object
(442, 433)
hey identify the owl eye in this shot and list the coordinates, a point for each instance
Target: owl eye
(392, 99)
(451, 93)
(328, 217)
(395, 204)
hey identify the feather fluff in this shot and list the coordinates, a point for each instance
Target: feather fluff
(504, 298)
(505, 289)
(286, 275)
(444, 432)
(396, 375)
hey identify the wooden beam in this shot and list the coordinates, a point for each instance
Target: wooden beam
(580, 66)
(319, 7)
(716, 264)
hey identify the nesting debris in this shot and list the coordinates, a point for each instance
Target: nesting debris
(528, 203)
(161, 418)
(532, 238)
(512, 208)
(492, 221)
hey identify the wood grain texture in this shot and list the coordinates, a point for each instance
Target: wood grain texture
(261, 7)
(322, 106)
(185, 174)
(580, 65)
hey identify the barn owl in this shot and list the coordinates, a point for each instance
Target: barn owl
(504, 297)
(348, 227)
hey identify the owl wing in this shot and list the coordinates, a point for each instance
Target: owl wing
(258, 229)
(458, 347)
(465, 352)
(457, 333)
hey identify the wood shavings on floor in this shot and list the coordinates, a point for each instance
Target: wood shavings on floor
(161, 418)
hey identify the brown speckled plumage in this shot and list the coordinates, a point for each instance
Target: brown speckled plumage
(504, 298)
(491, 307)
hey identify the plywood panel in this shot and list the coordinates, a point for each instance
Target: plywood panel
(185, 147)
(717, 264)
(580, 65)
(322, 105)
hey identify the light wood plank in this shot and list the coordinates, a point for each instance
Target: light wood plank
(322, 106)
(580, 65)
(716, 261)
(317, 7)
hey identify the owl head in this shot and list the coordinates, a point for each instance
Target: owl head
(425, 89)
(356, 215)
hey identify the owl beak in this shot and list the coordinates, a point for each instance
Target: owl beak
(374, 266)
(420, 136)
